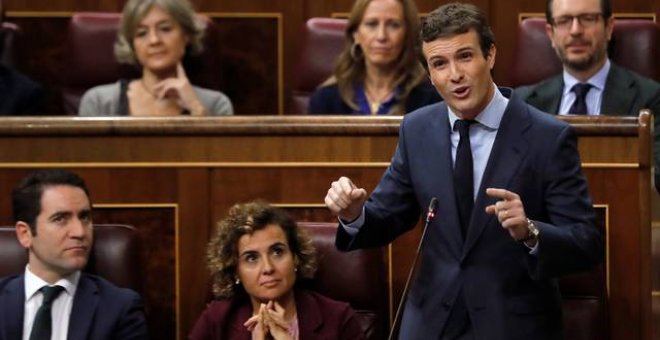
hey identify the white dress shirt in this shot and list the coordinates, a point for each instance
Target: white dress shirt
(60, 310)
(594, 96)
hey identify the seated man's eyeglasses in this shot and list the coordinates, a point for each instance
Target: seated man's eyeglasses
(565, 22)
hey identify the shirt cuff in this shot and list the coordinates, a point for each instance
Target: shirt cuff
(353, 227)
(533, 250)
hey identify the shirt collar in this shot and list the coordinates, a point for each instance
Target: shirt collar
(492, 114)
(597, 80)
(33, 283)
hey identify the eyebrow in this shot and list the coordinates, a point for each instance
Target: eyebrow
(272, 246)
(465, 49)
(63, 213)
(67, 213)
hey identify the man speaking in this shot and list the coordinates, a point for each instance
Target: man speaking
(514, 211)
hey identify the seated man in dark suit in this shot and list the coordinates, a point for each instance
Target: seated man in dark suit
(590, 84)
(19, 95)
(53, 298)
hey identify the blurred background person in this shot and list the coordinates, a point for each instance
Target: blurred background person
(590, 83)
(155, 35)
(379, 71)
(19, 95)
(256, 258)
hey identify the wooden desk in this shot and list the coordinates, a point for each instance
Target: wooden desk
(173, 178)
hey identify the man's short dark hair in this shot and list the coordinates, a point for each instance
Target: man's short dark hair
(605, 8)
(26, 197)
(458, 18)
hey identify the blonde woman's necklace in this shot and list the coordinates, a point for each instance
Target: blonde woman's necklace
(376, 101)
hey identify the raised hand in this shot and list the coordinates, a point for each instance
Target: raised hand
(345, 199)
(509, 211)
(180, 89)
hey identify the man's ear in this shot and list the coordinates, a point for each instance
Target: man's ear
(550, 32)
(24, 234)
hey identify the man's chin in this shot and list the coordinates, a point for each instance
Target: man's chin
(580, 64)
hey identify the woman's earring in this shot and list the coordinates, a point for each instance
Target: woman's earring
(238, 281)
(295, 269)
(355, 48)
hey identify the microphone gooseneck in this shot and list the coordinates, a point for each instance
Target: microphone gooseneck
(430, 216)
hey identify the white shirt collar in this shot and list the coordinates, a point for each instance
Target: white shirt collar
(492, 114)
(33, 283)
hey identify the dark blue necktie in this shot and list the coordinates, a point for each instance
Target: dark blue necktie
(463, 175)
(579, 106)
(43, 323)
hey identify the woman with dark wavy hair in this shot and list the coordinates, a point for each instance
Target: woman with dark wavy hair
(379, 71)
(256, 257)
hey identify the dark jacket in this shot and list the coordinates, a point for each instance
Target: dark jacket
(326, 99)
(510, 294)
(319, 318)
(100, 311)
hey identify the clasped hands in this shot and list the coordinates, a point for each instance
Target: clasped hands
(269, 320)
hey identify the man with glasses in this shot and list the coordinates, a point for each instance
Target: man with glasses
(590, 83)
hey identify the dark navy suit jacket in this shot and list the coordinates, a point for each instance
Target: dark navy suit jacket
(510, 294)
(326, 99)
(19, 95)
(101, 311)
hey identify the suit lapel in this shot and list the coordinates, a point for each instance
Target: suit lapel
(547, 96)
(85, 304)
(12, 303)
(619, 93)
(505, 158)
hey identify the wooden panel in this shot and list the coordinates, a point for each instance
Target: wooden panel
(156, 229)
(206, 165)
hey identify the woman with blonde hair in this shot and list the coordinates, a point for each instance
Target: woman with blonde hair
(379, 71)
(256, 258)
(155, 35)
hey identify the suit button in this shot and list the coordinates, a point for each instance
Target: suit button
(446, 305)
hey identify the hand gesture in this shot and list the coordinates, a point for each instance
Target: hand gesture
(509, 211)
(256, 325)
(180, 89)
(345, 200)
(269, 320)
(274, 319)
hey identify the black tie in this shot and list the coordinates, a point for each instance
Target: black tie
(42, 327)
(463, 179)
(579, 106)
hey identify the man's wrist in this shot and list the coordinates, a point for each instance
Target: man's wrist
(532, 234)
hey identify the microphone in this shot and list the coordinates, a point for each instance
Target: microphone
(430, 216)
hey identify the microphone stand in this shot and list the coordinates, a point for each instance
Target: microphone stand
(430, 215)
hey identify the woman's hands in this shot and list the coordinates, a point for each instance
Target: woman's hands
(180, 89)
(269, 320)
